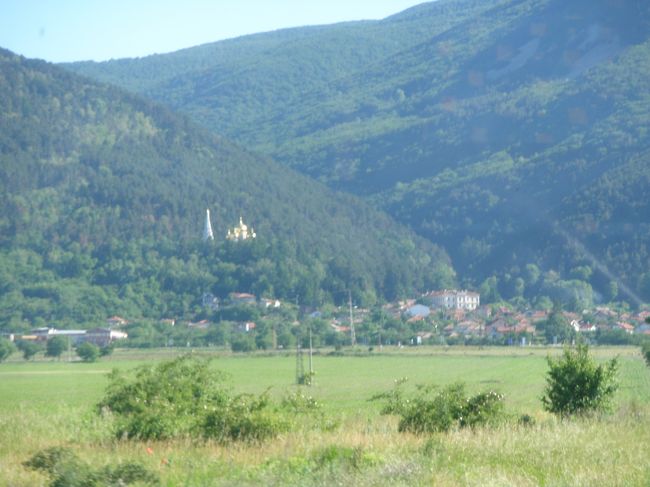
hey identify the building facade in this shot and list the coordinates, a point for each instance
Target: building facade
(454, 299)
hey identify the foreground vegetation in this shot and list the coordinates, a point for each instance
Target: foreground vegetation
(52, 404)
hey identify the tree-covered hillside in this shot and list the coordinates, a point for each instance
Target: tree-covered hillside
(102, 203)
(505, 130)
(239, 86)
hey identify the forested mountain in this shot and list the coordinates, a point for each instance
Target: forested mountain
(513, 132)
(102, 204)
(240, 86)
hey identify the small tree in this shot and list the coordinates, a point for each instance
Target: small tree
(55, 347)
(6, 349)
(557, 327)
(645, 350)
(107, 350)
(28, 348)
(88, 352)
(576, 385)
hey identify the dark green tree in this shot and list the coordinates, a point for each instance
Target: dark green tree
(557, 328)
(645, 349)
(107, 350)
(6, 349)
(55, 347)
(576, 385)
(88, 352)
(29, 348)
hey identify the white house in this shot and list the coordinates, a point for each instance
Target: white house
(454, 299)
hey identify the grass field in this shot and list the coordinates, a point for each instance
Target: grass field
(45, 404)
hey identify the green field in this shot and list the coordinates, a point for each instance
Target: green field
(45, 404)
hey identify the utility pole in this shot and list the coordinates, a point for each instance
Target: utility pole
(300, 368)
(353, 335)
(311, 365)
(381, 328)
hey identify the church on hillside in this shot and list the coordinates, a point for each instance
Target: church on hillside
(236, 234)
(240, 232)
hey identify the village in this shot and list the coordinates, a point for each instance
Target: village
(245, 323)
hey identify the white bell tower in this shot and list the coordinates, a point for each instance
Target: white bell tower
(207, 228)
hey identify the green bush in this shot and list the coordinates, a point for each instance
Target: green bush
(337, 458)
(29, 348)
(297, 402)
(107, 350)
(65, 469)
(576, 385)
(183, 397)
(6, 348)
(431, 411)
(645, 351)
(242, 343)
(55, 347)
(244, 418)
(483, 408)
(88, 352)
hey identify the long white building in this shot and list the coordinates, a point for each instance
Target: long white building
(454, 299)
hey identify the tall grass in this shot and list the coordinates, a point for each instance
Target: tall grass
(43, 405)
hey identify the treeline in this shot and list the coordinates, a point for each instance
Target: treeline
(140, 279)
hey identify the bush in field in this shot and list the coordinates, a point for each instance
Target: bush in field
(88, 352)
(576, 385)
(55, 347)
(29, 348)
(6, 349)
(645, 351)
(107, 350)
(242, 343)
(430, 411)
(297, 402)
(65, 469)
(183, 397)
(245, 418)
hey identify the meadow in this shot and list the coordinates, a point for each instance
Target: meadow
(51, 403)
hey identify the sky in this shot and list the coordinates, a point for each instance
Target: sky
(79, 30)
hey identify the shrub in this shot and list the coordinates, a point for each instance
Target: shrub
(6, 348)
(337, 457)
(65, 469)
(244, 418)
(242, 343)
(575, 385)
(88, 352)
(429, 411)
(183, 397)
(645, 351)
(297, 402)
(29, 348)
(107, 350)
(483, 408)
(55, 347)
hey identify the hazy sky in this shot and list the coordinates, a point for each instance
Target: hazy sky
(75, 30)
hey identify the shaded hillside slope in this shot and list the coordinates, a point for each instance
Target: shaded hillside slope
(103, 196)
